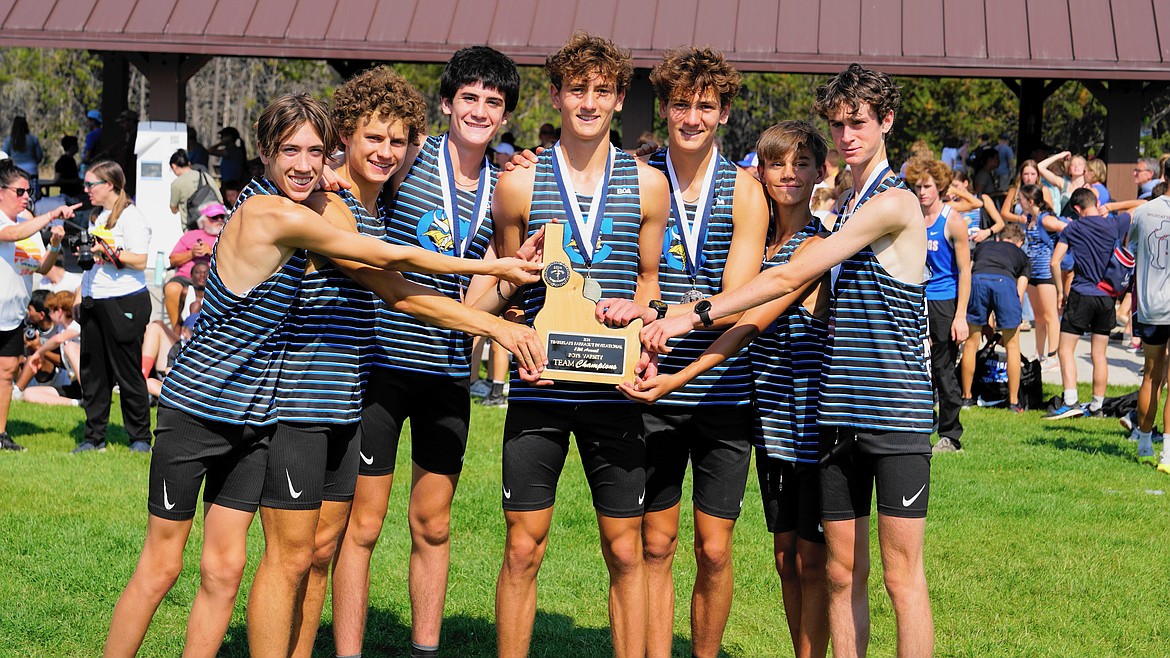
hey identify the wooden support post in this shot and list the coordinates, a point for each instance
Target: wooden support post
(638, 109)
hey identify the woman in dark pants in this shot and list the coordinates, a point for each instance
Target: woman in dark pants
(115, 309)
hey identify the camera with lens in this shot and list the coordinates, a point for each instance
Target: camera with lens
(82, 242)
(31, 332)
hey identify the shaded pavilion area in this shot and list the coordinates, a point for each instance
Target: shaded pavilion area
(1119, 49)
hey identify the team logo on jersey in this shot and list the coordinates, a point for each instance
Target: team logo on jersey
(672, 248)
(601, 250)
(434, 232)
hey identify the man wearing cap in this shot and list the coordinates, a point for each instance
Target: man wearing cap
(93, 124)
(195, 246)
(749, 163)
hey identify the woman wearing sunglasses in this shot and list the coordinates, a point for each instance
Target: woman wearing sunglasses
(115, 308)
(21, 254)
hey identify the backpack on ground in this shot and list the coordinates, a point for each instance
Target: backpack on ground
(990, 383)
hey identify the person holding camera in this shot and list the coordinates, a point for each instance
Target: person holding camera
(22, 254)
(115, 308)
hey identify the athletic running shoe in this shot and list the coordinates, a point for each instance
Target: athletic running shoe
(1016, 408)
(966, 403)
(989, 403)
(1164, 467)
(140, 446)
(945, 444)
(1049, 363)
(1090, 413)
(1065, 411)
(86, 446)
(1128, 421)
(494, 401)
(1134, 349)
(6, 443)
(481, 388)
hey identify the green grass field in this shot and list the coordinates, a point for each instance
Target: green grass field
(1044, 539)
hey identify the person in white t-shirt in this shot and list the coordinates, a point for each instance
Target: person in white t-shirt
(22, 253)
(115, 308)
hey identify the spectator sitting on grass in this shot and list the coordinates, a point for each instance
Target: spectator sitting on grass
(37, 329)
(195, 246)
(160, 335)
(162, 353)
(999, 277)
(64, 388)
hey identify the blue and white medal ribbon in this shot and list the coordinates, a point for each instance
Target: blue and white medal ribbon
(586, 227)
(693, 232)
(451, 200)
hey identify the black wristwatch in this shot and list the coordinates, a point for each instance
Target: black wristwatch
(703, 308)
(659, 307)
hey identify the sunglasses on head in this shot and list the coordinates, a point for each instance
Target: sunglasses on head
(19, 191)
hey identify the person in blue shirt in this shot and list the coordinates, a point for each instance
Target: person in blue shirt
(948, 256)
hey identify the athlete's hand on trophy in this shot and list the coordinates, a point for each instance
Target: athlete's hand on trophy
(620, 312)
(533, 248)
(516, 270)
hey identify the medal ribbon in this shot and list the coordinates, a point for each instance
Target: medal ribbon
(693, 237)
(583, 226)
(451, 199)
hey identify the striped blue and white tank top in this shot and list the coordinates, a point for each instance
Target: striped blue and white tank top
(940, 258)
(787, 359)
(417, 219)
(1038, 244)
(615, 261)
(731, 381)
(228, 370)
(330, 326)
(876, 376)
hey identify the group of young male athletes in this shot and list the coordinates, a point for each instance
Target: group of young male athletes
(291, 396)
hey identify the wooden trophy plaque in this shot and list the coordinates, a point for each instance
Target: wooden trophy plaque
(579, 348)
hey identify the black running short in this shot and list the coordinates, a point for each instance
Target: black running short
(1087, 313)
(188, 448)
(1151, 334)
(308, 463)
(791, 492)
(853, 462)
(439, 408)
(715, 440)
(609, 438)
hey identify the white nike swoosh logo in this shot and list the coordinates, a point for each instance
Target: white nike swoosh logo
(642, 497)
(293, 492)
(907, 502)
(507, 494)
(367, 460)
(166, 501)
